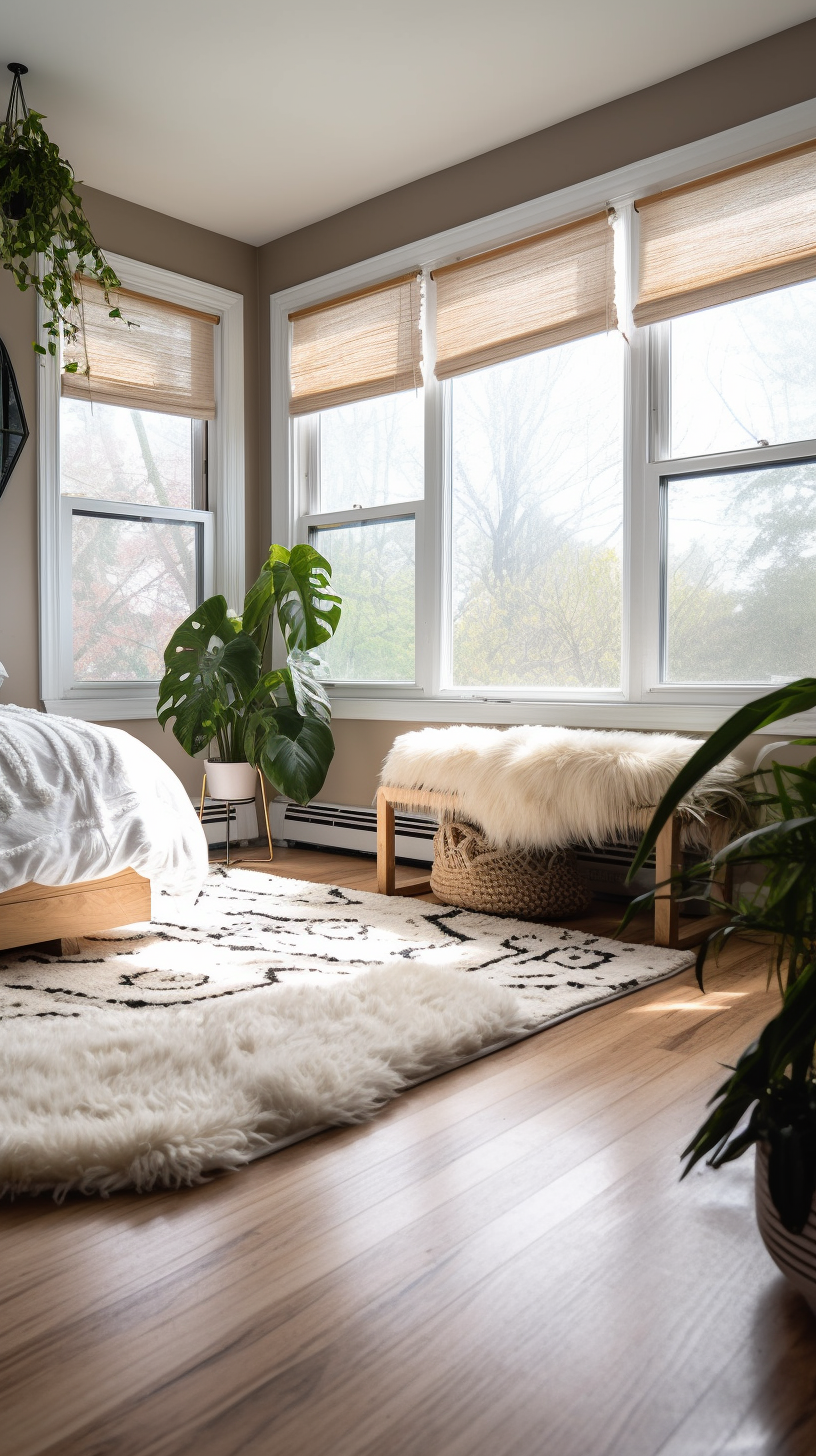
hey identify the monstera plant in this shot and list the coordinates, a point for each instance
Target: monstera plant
(217, 691)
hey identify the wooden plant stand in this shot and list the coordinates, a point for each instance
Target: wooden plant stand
(667, 929)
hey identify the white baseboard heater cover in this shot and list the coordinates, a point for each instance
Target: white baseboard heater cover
(350, 827)
(344, 826)
(243, 821)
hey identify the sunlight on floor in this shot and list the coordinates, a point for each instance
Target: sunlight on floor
(717, 1001)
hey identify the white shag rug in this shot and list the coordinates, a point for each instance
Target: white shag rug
(539, 788)
(159, 1054)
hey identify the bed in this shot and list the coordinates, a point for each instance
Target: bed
(93, 824)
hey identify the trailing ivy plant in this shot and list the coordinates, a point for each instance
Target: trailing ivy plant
(41, 215)
(769, 1097)
(215, 688)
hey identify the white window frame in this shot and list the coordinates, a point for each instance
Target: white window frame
(224, 549)
(309, 517)
(643, 701)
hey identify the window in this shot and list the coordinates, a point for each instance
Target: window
(362, 464)
(368, 480)
(739, 588)
(738, 549)
(572, 521)
(141, 490)
(744, 374)
(131, 481)
(537, 514)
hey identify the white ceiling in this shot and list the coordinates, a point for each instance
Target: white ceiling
(255, 117)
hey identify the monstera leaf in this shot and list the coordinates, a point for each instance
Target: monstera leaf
(208, 661)
(298, 584)
(308, 612)
(260, 600)
(310, 697)
(296, 759)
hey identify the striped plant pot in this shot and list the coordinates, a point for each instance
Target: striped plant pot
(794, 1254)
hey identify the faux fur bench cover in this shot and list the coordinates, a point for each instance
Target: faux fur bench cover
(537, 788)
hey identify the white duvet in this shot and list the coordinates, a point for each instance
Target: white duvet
(78, 802)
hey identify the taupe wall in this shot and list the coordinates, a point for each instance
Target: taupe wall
(136, 232)
(748, 83)
(768, 76)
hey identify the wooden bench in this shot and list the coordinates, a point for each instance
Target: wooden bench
(668, 861)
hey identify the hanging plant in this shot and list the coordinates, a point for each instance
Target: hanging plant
(41, 214)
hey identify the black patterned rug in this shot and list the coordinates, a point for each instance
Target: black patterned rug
(249, 930)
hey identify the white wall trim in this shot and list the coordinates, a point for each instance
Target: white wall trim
(683, 717)
(48, 517)
(644, 707)
(225, 487)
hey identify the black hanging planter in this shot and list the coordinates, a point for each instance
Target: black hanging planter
(18, 204)
(13, 427)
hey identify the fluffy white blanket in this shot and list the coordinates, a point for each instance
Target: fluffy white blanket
(536, 788)
(78, 802)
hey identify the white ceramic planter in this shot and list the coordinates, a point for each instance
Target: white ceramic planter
(794, 1254)
(231, 781)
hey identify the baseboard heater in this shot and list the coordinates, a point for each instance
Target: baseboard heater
(243, 824)
(344, 827)
(341, 826)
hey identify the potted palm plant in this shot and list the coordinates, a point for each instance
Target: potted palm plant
(217, 692)
(769, 1098)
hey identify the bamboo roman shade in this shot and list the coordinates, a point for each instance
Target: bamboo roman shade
(736, 233)
(164, 361)
(357, 347)
(529, 295)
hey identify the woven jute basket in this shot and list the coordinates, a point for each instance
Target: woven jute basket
(468, 871)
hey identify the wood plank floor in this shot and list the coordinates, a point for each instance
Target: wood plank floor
(502, 1264)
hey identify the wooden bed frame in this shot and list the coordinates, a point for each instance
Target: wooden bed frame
(667, 928)
(32, 914)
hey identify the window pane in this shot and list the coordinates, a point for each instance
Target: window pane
(116, 454)
(373, 571)
(372, 453)
(741, 575)
(133, 582)
(745, 373)
(537, 519)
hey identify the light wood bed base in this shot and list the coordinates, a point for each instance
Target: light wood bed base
(33, 913)
(667, 928)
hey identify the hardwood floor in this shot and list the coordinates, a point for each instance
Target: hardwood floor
(502, 1264)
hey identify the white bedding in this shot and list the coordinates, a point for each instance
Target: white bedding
(78, 802)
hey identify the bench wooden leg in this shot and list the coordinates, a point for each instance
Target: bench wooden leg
(668, 862)
(386, 852)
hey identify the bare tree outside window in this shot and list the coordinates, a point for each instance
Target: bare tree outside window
(372, 454)
(132, 581)
(537, 519)
(741, 549)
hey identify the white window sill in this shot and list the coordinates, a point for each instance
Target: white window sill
(107, 708)
(664, 717)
